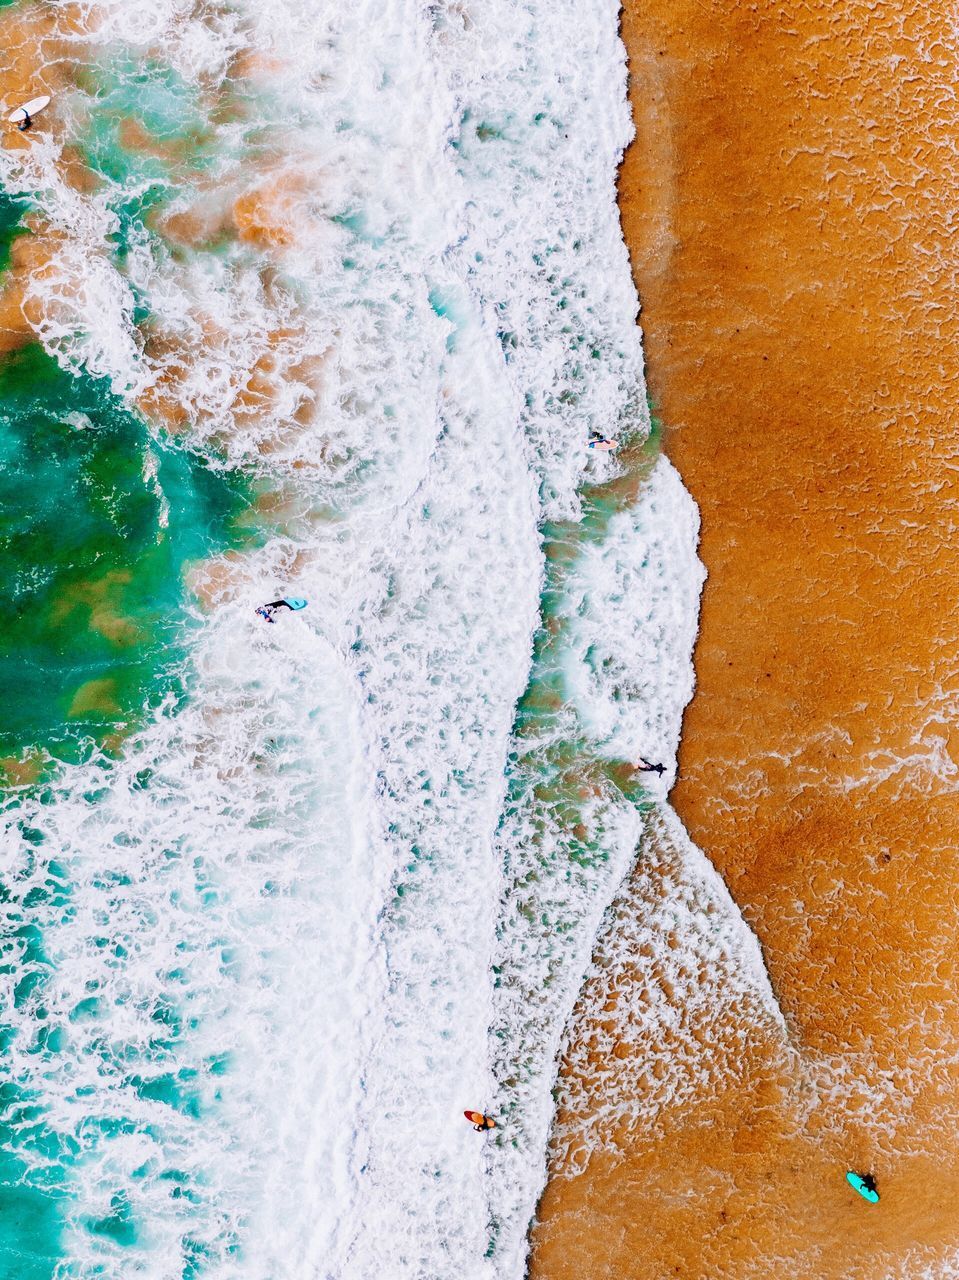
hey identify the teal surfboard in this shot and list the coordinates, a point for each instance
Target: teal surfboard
(294, 603)
(862, 1187)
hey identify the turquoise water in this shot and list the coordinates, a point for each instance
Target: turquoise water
(29, 1203)
(100, 518)
(11, 216)
(147, 139)
(98, 521)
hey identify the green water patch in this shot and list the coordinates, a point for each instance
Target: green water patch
(97, 521)
(11, 224)
(554, 775)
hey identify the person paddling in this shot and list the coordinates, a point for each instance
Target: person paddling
(601, 442)
(645, 767)
(266, 611)
(480, 1122)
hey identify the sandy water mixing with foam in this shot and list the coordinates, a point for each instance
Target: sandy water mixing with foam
(341, 877)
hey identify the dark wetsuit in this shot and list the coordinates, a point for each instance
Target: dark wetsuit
(595, 438)
(651, 768)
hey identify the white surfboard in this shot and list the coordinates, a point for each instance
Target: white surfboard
(28, 109)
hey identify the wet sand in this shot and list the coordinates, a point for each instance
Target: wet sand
(789, 204)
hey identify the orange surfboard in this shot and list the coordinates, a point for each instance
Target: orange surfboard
(477, 1117)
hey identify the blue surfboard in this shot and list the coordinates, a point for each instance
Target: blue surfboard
(295, 603)
(862, 1187)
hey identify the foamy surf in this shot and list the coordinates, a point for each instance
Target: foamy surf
(371, 257)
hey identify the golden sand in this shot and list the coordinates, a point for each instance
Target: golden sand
(789, 205)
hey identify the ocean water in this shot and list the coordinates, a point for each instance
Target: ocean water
(324, 300)
(97, 516)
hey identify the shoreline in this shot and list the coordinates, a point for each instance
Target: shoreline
(786, 206)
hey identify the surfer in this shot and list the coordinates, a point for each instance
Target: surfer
(479, 1121)
(865, 1184)
(601, 442)
(643, 766)
(267, 611)
(22, 117)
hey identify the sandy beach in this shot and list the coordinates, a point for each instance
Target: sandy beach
(788, 203)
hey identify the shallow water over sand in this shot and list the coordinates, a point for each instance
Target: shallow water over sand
(789, 204)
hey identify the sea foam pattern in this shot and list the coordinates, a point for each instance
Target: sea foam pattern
(391, 285)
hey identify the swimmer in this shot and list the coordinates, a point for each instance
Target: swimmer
(479, 1121)
(645, 767)
(25, 123)
(266, 611)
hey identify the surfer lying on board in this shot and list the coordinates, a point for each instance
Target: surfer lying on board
(480, 1122)
(267, 611)
(601, 442)
(643, 766)
(865, 1184)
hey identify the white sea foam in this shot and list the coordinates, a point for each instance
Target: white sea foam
(309, 867)
(632, 601)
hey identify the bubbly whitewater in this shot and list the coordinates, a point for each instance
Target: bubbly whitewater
(343, 876)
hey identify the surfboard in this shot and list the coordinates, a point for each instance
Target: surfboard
(859, 1185)
(295, 603)
(476, 1117)
(28, 109)
(603, 446)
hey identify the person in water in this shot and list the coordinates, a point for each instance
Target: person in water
(480, 1122)
(267, 611)
(601, 442)
(25, 123)
(645, 767)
